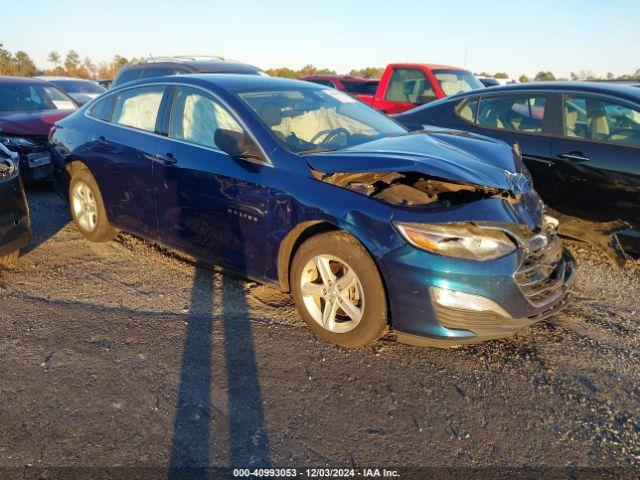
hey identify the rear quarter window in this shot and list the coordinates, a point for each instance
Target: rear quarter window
(467, 110)
(102, 109)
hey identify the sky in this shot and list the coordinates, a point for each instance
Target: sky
(515, 37)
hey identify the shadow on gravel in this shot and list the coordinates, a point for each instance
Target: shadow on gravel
(247, 432)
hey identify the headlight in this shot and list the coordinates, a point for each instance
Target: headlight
(8, 163)
(459, 240)
(11, 141)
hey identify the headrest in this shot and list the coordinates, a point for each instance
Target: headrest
(270, 114)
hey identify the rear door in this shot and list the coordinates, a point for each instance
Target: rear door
(523, 118)
(120, 154)
(406, 88)
(598, 156)
(209, 204)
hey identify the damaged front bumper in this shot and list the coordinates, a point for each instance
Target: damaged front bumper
(478, 326)
(502, 296)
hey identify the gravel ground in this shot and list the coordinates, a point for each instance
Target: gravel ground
(122, 354)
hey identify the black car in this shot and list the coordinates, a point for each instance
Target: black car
(580, 141)
(15, 226)
(178, 65)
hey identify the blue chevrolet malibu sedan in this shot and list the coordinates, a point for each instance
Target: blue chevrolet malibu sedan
(437, 237)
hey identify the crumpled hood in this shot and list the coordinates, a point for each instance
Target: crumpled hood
(30, 123)
(446, 154)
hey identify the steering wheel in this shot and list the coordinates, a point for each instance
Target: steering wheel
(330, 135)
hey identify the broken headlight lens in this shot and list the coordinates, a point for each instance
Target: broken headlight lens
(11, 141)
(459, 240)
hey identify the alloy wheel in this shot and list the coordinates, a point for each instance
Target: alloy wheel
(85, 208)
(332, 293)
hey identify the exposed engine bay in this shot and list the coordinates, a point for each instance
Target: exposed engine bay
(411, 189)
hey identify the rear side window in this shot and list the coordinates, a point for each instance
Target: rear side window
(128, 75)
(101, 110)
(409, 85)
(363, 88)
(601, 120)
(138, 107)
(196, 116)
(161, 72)
(523, 113)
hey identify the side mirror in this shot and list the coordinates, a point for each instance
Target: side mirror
(237, 145)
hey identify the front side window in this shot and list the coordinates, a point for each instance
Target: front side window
(409, 85)
(453, 82)
(309, 119)
(196, 116)
(23, 97)
(138, 107)
(523, 113)
(600, 120)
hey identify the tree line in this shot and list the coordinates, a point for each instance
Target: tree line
(73, 65)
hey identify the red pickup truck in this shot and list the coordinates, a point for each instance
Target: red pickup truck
(404, 86)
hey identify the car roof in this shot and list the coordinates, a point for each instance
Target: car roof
(226, 81)
(619, 90)
(54, 78)
(23, 80)
(430, 66)
(209, 66)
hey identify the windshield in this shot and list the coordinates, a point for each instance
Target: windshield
(309, 119)
(78, 86)
(25, 97)
(456, 81)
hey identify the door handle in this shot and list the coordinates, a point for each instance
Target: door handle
(165, 158)
(101, 140)
(575, 156)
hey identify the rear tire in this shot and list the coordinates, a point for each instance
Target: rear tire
(9, 259)
(338, 290)
(87, 208)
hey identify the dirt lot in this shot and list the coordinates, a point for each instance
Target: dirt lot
(121, 354)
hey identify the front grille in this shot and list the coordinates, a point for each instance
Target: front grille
(541, 275)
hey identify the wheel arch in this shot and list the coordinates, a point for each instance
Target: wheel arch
(302, 232)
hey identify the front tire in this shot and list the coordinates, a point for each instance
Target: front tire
(87, 208)
(338, 290)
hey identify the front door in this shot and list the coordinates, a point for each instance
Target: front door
(407, 88)
(599, 158)
(209, 204)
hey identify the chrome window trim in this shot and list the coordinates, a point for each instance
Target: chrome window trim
(217, 98)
